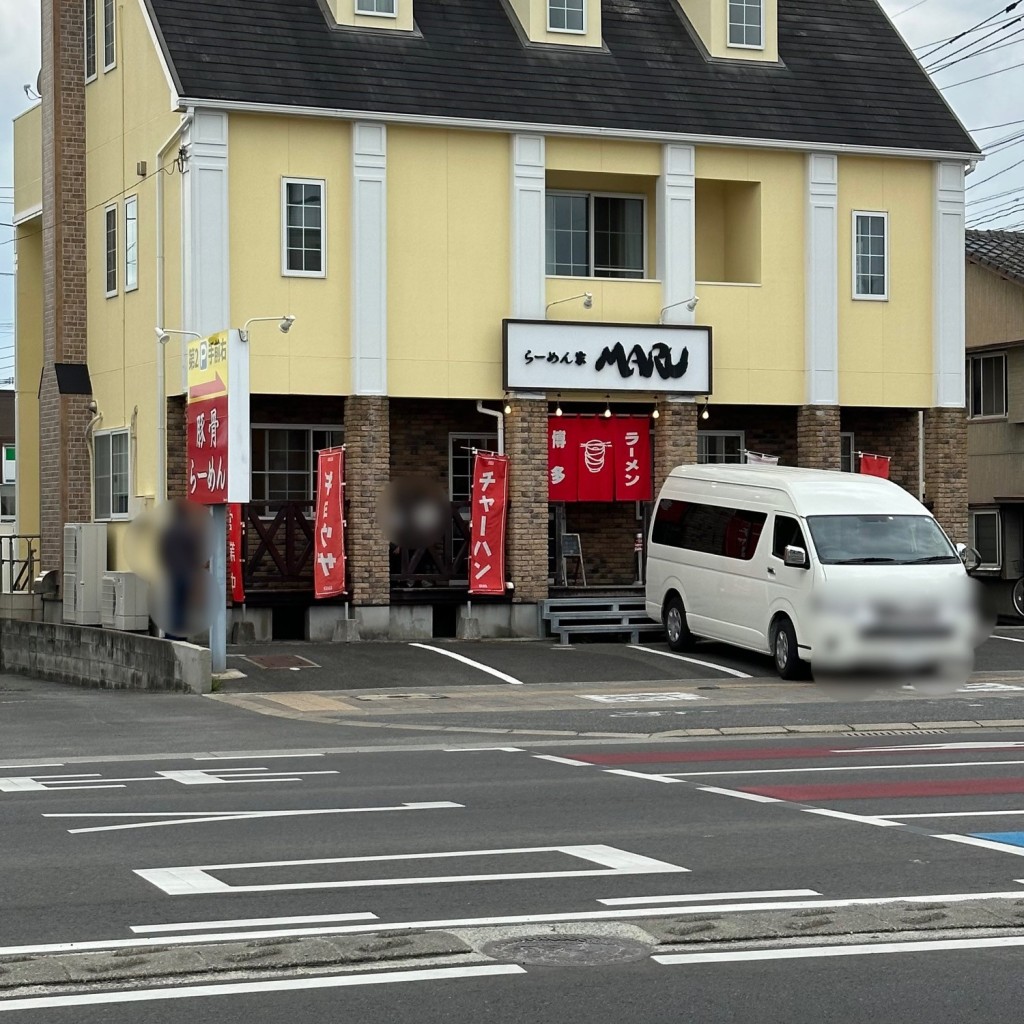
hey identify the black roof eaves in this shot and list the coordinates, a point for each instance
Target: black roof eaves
(164, 48)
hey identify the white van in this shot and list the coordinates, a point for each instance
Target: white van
(844, 571)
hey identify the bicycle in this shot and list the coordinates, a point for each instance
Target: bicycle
(1018, 592)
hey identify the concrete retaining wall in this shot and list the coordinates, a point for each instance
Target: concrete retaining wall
(105, 658)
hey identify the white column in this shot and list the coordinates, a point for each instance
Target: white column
(369, 259)
(948, 277)
(677, 232)
(822, 279)
(206, 273)
(529, 294)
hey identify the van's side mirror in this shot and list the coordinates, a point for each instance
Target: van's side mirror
(971, 557)
(795, 556)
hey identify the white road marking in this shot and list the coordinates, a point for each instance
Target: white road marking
(206, 777)
(1011, 639)
(193, 880)
(468, 750)
(473, 664)
(641, 698)
(980, 745)
(757, 798)
(188, 777)
(860, 949)
(953, 814)
(146, 995)
(638, 775)
(255, 757)
(563, 760)
(986, 844)
(863, 819)
(49, 764)
(173, 818)
(474, 922)
(693, 661)
(755, 894)
(842, 768)
(248, 922)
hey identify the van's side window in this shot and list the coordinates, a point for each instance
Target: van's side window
(710, 529)
(787, 532)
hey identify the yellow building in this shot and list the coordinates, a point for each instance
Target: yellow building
(445, 196)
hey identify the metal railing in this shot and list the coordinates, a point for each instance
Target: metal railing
(19, 562)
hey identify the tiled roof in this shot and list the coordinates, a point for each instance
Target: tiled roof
(847, 77)
(1001, 251)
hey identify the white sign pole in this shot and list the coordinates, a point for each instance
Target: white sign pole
(219, 567)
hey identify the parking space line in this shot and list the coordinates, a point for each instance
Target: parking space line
(843, 768)
(863, 819)
(563, 760)
(1011, 639)
(248, 922)
(240, 988)
(757, 798)
(757, 894)
(693, 661)
(473, 664)
(952, 814)
(985, 844)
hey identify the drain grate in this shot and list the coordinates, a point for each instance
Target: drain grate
(404, 696)
(902, 732)
(279, 661)
(567, 950)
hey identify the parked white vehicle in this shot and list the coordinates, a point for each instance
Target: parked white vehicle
(845, 572)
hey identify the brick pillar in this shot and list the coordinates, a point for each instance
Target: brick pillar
(64, 468)
(367, 473)
(945, 462)
(527, 536)
(675, 439)
(817, 437)
(177, 447)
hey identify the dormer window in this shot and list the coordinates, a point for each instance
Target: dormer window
(746, 23)
(380, 8)
(566, 16)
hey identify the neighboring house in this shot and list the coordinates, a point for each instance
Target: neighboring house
(995, 405)
(404, 176)
(8, 464)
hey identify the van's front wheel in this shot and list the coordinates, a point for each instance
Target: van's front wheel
(676, 630)
(784, 650)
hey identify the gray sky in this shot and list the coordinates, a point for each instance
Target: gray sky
(993, 100)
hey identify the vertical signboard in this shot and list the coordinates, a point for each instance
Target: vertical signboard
(217, 419)
(329, 537)
(632, 444)
(236, 561)
(562, 458)
(487, 527)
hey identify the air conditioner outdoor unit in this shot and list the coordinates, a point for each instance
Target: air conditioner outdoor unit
(124, 600)
(85, 561)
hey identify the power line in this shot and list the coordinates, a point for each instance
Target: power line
(991, 177)
(975, 42)
(989, 127)
(973, 28)
(992, 47)
(940, 43)
(907, 10)
(978, 78)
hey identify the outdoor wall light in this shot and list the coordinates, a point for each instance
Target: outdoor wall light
(607, 410)
(284, 324)
(163, 334)
(587, 297)
(558, 406)
(704, 413)
(655, 414)
(508, 406)
(690, 304)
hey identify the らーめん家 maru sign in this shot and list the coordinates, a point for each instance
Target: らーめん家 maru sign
(547, 355)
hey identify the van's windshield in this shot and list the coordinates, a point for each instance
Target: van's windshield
(880, 540)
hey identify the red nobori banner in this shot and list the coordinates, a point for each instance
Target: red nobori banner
(563, 458)
(487, 527)
(632, 444)
(236, 561)
(207, 426)
(874, 465)
(596, 459)
(329, 538)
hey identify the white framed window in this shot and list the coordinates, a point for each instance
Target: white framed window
(595, 234)
(567, 16)
(109, 35)
(720, 446)
(377, 8)
(986, 386)
(870, 255)
(110, 244)
(284, 462)
(131, 243)
(90, 40)
(460, 462)
(847, 460)
(303, 209)
(746, 24)
(985, 537)
(111, 464)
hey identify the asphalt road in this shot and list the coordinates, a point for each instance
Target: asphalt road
(687, 828)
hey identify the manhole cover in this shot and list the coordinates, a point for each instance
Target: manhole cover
(567, 950)
(282, 661)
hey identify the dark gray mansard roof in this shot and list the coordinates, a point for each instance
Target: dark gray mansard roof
(1001, 251)
(847, 79)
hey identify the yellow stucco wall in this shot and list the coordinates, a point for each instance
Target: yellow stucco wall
(448, 261)
(710, 20)
(759, 330)
(28, 161)
(262, 151)
(885, 348)
(344, 13)
(29, 363)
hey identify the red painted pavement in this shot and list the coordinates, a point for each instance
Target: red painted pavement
(896, 790)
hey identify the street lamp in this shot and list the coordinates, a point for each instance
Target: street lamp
(284, 324)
